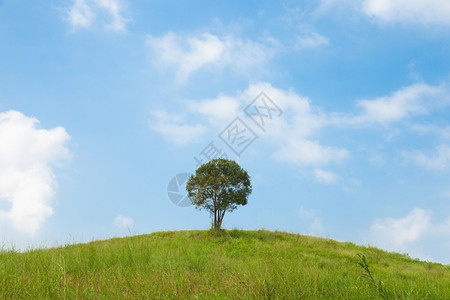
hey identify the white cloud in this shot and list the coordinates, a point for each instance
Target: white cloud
(218, 111)
(197, 53)
(123, 222)
(325, 176)
(412, 233)
(421, 12)
(114, 9)
(397, 233)
(311, 40)
(80, 15)
(27, 182)
(294, 134)
(445, 132)
(440, 161)
(300, 118)
(306, 152)
(408, 11)
(311, 216)
(409, 101)
(191, 53)
(173, 129)
(442, 132)
(291, 133)
(83, 14)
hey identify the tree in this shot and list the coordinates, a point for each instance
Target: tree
(219, 186)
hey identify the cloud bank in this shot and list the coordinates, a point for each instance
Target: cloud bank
(411, 233)
(27, 181)
(408, 11)
(123, 222)
(189, 54)
(440, 161)
(85, 13)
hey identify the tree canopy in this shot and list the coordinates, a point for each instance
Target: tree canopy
(218, 186)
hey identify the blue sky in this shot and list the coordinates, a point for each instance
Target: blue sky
(103, 102)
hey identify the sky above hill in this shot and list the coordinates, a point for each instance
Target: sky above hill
(339, 111)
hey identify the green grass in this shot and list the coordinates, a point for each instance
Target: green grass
(232, 265)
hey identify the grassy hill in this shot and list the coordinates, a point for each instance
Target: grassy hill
(233, 265)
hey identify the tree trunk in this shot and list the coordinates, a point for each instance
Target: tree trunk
(220, 214)
(215, 213)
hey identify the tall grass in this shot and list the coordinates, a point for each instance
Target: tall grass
(226, 265)
(379, 285)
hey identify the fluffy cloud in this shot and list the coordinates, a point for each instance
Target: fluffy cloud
(192, 53)
(422, 12)
(397, 233)
(409, 232)
(80, 14)
(173, 129)
(311, 216)
(307, 152)
(84, 13)
(325, 176)
(442, 132)
(300, 118)
(440, 161)
(411, 100)
(407, 102)
(218, 111)
(295, 133)
(123, 222)
(292, 133)
(311, 40)
(27, 182)
(411, 11)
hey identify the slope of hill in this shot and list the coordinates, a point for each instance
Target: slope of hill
(233, 265)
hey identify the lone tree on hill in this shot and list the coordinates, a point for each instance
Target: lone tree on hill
(219, 186)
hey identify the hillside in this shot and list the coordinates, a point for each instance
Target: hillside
(236, 264)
